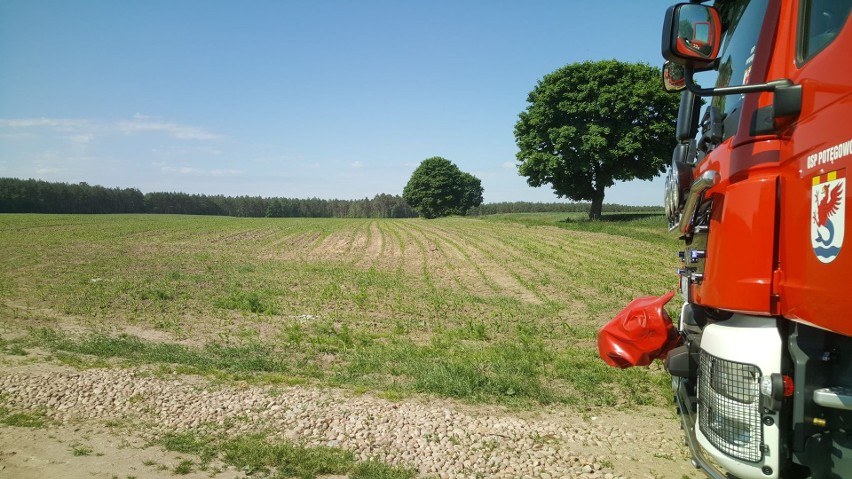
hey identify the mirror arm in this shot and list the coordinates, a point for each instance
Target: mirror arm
(731, 90)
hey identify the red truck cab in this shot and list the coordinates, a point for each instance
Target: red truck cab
(763, 369)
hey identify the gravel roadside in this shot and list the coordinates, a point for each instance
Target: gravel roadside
(438, 438)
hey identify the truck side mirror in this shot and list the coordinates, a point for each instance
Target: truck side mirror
(692, 35)
(674, 77)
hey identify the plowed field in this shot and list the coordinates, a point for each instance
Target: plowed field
(496, 312)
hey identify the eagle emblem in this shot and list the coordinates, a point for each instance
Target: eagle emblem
(828, 213)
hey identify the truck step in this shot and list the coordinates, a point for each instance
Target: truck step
(836, 397)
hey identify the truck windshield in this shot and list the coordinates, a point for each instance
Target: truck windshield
(741, 24)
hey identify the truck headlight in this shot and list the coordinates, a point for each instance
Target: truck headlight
(729, 407)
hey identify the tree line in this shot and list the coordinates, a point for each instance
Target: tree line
(573, 207)
(37, 196)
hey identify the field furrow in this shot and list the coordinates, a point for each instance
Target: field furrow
(509, 266)
(495, 311)
(477, 271)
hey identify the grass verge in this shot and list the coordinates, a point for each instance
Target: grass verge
(522, 371)
(254, 454)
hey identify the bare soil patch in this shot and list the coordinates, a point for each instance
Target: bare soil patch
(27, 453)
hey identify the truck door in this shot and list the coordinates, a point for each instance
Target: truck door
(815, 250)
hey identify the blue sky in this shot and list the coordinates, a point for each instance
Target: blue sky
(311, 98)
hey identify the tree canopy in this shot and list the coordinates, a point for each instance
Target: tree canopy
(439, 188)
(592, 123)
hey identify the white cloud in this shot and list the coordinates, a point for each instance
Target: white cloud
(182, 170)
(225, 172)
(181, 151)
(53, 123)
(181, 132)
(511, 165)
(209, 151)
(357, 164)
(81, 139)
(18, 136)
(140, 124)
(197, 172)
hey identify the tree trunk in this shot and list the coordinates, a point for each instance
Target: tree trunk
(597, 205)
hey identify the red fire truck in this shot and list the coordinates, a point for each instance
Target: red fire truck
(761, 355)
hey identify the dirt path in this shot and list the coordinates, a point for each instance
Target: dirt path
(99, 423)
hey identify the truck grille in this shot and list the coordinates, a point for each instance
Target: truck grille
(729, 407)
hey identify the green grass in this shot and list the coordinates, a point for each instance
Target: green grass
(12, 348)
(31, 419)
(651, 227)
(81, 450)
(183, 468)
(522, 372)
(250, 302)
(251, 358)
(500, 309)
(255, 454)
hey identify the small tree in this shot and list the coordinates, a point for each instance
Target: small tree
(590, 124)
(439, 188)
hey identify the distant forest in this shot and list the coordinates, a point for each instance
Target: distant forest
(36, 196)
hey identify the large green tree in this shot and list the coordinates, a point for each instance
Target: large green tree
(590, 124)
(439, 188)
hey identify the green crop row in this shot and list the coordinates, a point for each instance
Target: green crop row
(499, 309)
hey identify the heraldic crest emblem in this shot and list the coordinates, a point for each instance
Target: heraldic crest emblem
(828, 214)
